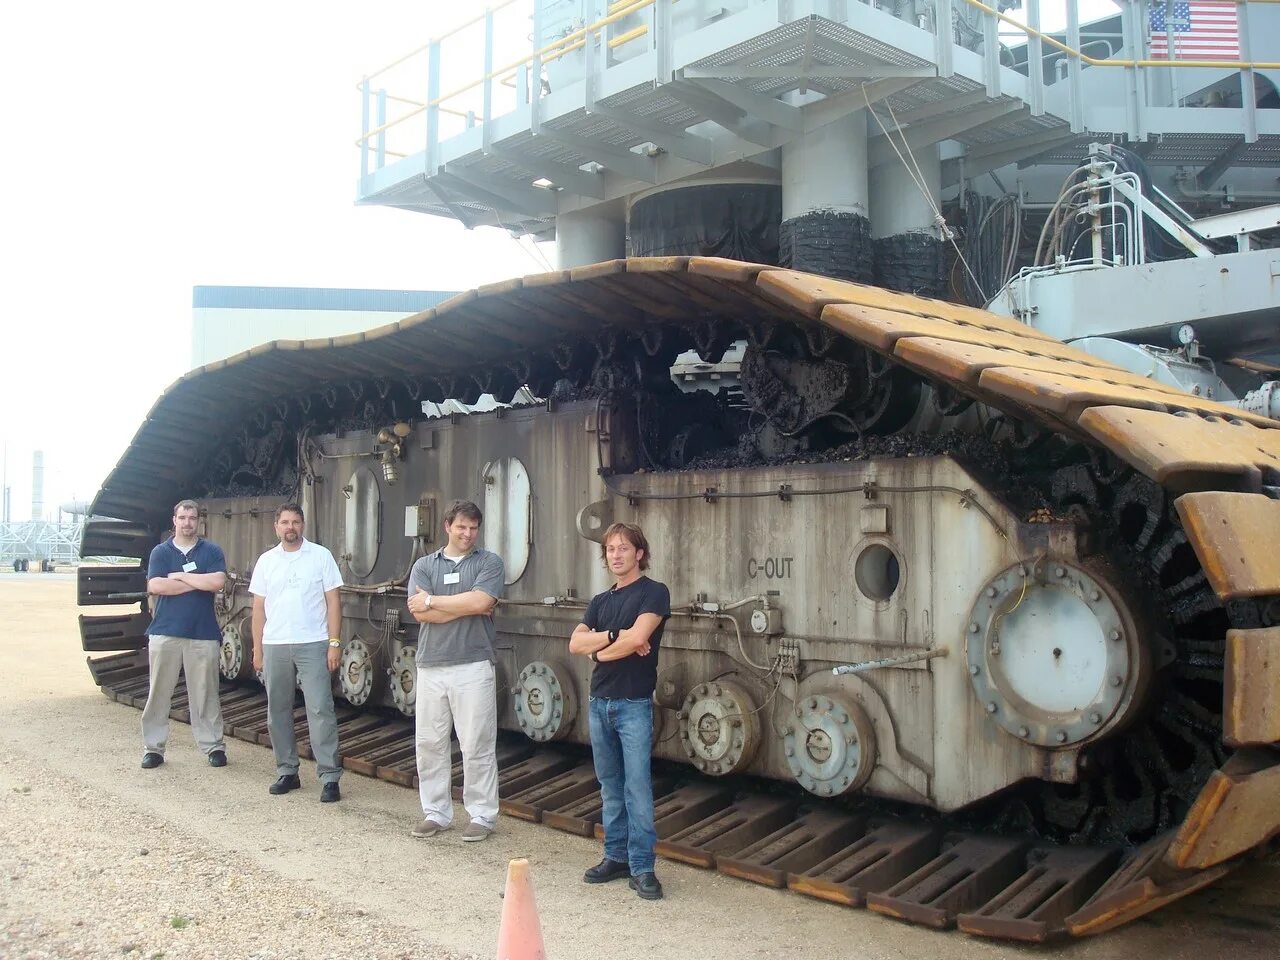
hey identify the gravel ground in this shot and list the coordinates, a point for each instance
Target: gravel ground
(99, 858)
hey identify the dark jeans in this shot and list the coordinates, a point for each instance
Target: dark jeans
(621, 744)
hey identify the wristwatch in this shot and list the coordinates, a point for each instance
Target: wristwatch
(428, 606)
(612, 635)
(335, 642)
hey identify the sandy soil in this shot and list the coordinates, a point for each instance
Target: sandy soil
(99, 858)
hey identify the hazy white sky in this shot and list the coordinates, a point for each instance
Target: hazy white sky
(150, 147)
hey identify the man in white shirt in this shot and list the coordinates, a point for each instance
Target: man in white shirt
(297, 624)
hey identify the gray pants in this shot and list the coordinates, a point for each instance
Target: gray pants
(198, 659)
(281, 664)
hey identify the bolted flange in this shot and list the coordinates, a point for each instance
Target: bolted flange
(544, 701)
(719, 728)
(1055, 659)
(356, 672)
(235, 653)
(831, 748)
(403, 679)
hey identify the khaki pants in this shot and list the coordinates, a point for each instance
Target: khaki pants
(458, 697)
(198, 659)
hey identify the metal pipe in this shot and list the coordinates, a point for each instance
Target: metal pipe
(867, 665)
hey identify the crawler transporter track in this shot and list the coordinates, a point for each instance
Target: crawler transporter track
(1002, 617)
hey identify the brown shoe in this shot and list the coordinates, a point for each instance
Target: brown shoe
(427, 828)
(475, 832)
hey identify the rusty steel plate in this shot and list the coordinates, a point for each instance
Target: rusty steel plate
(1070, 392)
(1187, 452)
(794, 847)
(529, 803)
(1237, 539)
(887, 853)
(1251, 694)
(810, 294)
(966, 873)
(1141, 885)
(1235, 811)
(1057, 882)
(727, 830)
(881, 329)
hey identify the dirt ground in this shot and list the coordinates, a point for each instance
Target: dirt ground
(99, 858)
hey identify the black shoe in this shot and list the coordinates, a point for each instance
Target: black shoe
(606, 870)
(152, 760)
(646, 885)
(286, 783)
(218, 758)
(330, 793)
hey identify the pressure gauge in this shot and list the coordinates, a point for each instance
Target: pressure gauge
(1186, 334)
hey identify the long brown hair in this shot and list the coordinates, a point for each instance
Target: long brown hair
(630, 533)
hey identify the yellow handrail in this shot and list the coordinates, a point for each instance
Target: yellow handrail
(448, 33)
(568, 38)
(630, 7)
(1094, 62)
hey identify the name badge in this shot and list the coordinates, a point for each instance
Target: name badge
(452, 577)
(189, 567)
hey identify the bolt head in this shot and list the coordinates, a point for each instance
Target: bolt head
(973, 628)
(1115, 634)
(1024, 732)
(1061, 736)
(991, 591)
(791, 751)
(1095, 717)
(1060, 571)
(1117, 681)
(991, 706)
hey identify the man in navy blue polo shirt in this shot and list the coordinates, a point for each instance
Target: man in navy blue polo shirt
(183, 574)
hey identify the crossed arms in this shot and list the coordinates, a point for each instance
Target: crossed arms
(473, 603)
(633, 641)
(178, 583)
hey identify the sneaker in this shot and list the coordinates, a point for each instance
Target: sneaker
(646, 886)
(606, 870)
(218, 758)
(329, 793)
(475, 832)
(427, 828)
(284, 784)
(152, 760)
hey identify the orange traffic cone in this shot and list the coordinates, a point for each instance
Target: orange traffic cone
(520, 935)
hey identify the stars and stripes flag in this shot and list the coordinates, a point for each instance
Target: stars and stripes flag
(1195, 30)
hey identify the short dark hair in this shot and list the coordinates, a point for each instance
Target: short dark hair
(185, 505)
(291, 508)
(630, 533)
(463, 508)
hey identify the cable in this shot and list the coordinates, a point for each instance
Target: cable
(918, 178)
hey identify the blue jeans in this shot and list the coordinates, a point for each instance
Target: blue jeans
(621, 745)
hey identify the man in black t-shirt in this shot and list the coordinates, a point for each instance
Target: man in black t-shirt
(621, 632)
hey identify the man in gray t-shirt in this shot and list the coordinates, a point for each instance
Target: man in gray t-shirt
(452, 593)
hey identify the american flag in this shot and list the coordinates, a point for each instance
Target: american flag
(1196, 30)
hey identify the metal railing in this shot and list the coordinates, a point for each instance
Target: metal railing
(519, 82)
